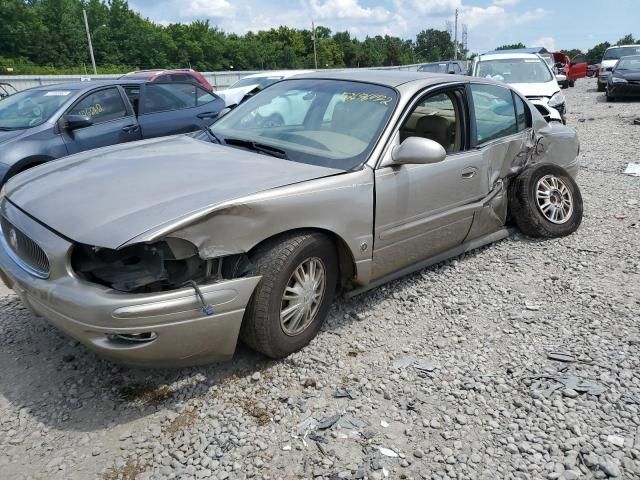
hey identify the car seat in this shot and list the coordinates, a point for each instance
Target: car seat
(435, 128)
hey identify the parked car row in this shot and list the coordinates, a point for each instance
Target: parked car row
(168, 250)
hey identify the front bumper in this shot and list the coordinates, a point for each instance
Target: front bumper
(631, 89)
(180, 334)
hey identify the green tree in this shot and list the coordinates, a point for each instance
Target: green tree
(513, 46)
(433, 45)
(572, 53)
(626, 40)
(594, 55)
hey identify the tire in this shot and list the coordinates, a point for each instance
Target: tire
(610, 98)
(529, 188)
(572, 83)
(565, 84)
(601, 87)
(277, 262)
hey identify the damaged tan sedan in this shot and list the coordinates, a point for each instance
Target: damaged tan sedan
(167, 251)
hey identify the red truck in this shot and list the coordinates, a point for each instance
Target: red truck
(573, 68)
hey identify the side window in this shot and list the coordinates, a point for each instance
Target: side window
(178, 77)
(438, 118)
(494, 112)
(202, 96)
(522, 115)
(133, 93)
(102, 106)
(162, 97)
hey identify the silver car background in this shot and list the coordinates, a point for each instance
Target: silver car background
(166, 251)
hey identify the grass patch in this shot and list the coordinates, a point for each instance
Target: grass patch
(145, 393)
(129, 471)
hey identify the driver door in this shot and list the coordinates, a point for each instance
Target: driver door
(425, 209)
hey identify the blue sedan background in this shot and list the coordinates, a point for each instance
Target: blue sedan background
(49, 122)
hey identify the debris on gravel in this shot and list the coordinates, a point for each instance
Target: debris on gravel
(519, 360)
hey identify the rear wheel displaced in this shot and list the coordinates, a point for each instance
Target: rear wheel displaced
(545, 201)
(299, 276)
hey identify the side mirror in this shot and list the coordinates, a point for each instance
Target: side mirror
(74, 122)
(225, 110)
(418, 150)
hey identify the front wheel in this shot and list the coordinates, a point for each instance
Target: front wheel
(299, 276)
(572, 83)
(545, 202)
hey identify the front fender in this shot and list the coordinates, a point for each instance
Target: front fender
(340, 204)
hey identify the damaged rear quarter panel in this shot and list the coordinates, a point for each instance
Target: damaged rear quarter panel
(341, 204)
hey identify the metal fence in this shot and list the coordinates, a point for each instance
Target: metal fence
(220, 80)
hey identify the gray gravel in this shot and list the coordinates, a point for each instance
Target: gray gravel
(520, 360)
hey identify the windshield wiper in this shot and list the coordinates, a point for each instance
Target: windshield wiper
(257, 147)
(212, 136)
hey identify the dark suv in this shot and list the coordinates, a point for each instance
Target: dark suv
(446, 66)
(167, 76)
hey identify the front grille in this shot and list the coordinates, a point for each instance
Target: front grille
(26, 252)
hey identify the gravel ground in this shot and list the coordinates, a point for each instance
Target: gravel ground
(520, 360)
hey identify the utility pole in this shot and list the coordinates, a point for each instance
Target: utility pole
(455, 38)
(86, 26)
(313, 37)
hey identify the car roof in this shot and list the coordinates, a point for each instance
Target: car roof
(389, 78)
(276, 73)
(622, 46)
(86, 85)
(499, 56)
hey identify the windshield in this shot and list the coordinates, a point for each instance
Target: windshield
(628, 63)
(617, 52)
(30, 108)
(261, 82)
(434, 68)
(330, 123)
(547, 58)
(515, 70)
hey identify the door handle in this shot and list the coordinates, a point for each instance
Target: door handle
(469, 172)
(130, 128)
(207, 115)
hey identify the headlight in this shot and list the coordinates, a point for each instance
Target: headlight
(141, 268)
(556, 100)
(618, 80)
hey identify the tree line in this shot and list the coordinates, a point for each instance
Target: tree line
(48, 36)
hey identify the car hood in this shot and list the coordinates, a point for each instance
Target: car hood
(233, 96)
(608, 63)
(546, 89)
(108, 196)
(628, 74)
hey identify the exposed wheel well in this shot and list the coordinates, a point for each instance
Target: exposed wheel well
(346, 262)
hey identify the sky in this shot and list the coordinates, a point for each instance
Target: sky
(554, 24)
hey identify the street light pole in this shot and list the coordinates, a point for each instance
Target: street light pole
(86, 26)
(313, 37)
(455, 38)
